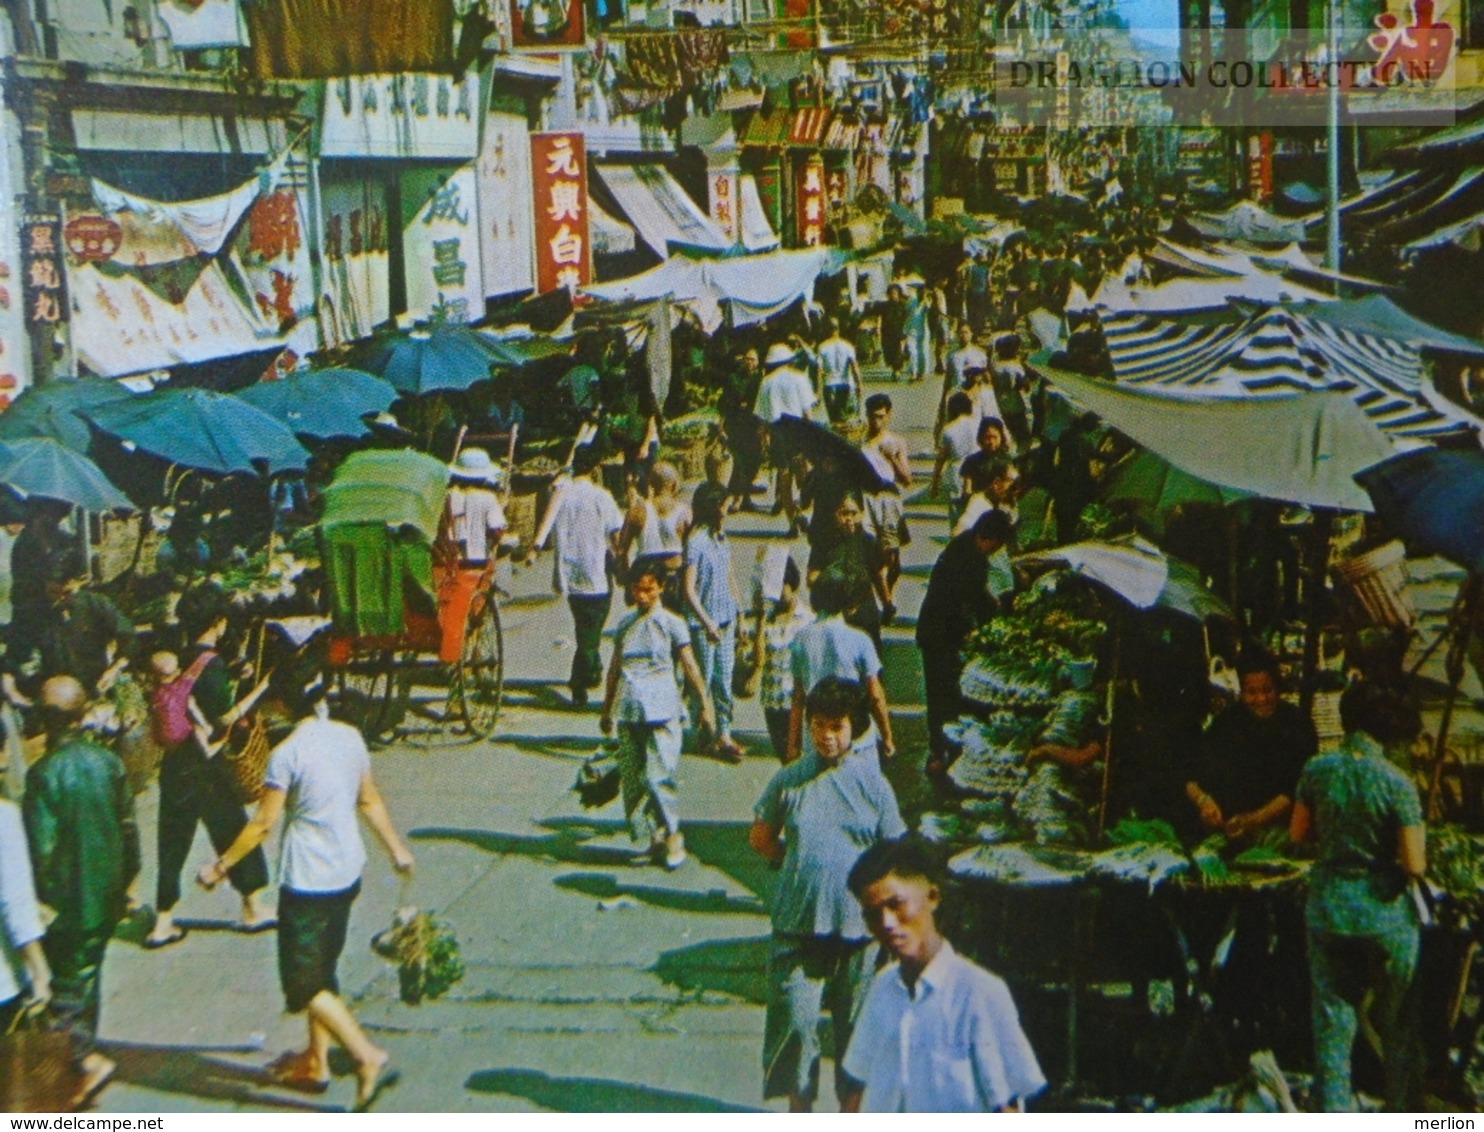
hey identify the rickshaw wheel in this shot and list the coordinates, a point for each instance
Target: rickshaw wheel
(480, 674)
(371, 695)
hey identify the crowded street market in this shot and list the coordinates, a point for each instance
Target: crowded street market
(760, 510)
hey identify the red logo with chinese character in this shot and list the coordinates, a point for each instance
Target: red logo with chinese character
(92, 239)
(1419, 52)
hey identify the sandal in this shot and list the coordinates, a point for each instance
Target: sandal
(152, 943)
(286, 1072)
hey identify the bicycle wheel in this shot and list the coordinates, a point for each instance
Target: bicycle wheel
(480, 678)
(370, 693)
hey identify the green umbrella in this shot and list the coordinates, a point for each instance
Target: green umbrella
(1156, 487)
(432, 359)
(46, 467)
(517, 351)
(197, 428)
(51, 410)
(322, 403)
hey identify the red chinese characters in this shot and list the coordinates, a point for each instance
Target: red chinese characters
(559, 176)
(811, 201)
(92, 239)
(273, 227)
(41, 246)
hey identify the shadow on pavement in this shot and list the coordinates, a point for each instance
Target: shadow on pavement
(604, 886)
(566, 846)
(735, 967)
(590, 1094)
(199, 1073)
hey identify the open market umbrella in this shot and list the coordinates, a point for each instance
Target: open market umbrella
(1140, 573)
(212, 432)
(433, 359)
(322, 403)
(51, 410)
(513, 351)
(46, 467)
(1156, 487)
(825, 447)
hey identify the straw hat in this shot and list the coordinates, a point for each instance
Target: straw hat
(475, 464)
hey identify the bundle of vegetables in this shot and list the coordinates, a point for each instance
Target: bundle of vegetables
(691, 428)
(1006, 682)
(1455, 862)
(1022, 657)
(1146, 862)
(426, 952)
(993, 760)
(1053, 810)
(1031, 865)
(262, 579)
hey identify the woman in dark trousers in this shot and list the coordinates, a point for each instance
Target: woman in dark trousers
(195, 788)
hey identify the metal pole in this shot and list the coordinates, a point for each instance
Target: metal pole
(1332, 145)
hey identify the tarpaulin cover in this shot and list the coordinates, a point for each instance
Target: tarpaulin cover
(304, 39)
(757, 233)
(1202, 294)
(1302, 449)
(1379, 316)
(371, 571)
(661, 211)
(1247, 221)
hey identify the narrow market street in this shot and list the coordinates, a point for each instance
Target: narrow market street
(592, 985)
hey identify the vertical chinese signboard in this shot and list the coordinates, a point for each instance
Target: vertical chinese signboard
(1260, 167)
(504, 203)
(41, 243)
(559, 174)
(811, 203)
(440, 244)
(726, 203)
(357, 256)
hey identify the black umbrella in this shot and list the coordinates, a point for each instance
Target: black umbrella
(827, 450)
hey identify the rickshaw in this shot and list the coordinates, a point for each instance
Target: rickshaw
(404, 612)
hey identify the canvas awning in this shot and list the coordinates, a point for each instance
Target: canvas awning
(1278, 353)
(1201, 294)
(1247, 221)
(754, 286)
(1464, 234)
(1380, 316)
(610, 236)
(660, 210)
(757, 233)
(1303, 449)
(808, 126)
(768, 131)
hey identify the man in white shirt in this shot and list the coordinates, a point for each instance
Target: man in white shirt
(587, 523)
(319, 783)
(840, 375)
(785, 392)
(969, 357)
(937, 1033)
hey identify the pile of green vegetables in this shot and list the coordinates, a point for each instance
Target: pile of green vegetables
(427, 955)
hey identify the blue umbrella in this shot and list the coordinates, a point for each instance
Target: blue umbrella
(197, 428)
(46, 467)
(433, 359)
(51, 410)
(1433, 499)
(322, 403)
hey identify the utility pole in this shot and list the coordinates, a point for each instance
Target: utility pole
(1332, 145)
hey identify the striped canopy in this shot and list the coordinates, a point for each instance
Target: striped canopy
(1278, 353)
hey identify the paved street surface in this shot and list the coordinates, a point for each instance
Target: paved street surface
(592, 984)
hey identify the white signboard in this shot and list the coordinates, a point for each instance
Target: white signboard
(356, 257)
(15, 351)
(426, 116)
(505, 204)
(440, 245)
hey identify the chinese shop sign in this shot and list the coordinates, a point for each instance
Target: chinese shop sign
(726, 203)
(559, 173)
(811, 204)
(41, 242)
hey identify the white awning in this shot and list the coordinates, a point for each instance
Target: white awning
(610, 236)
(757, 233)
(660, 210)
(133, 132)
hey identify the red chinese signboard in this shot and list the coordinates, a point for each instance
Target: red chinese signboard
(559, 176)
(41, 249)
(811, 203)
(92, 239)
(725, 205)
